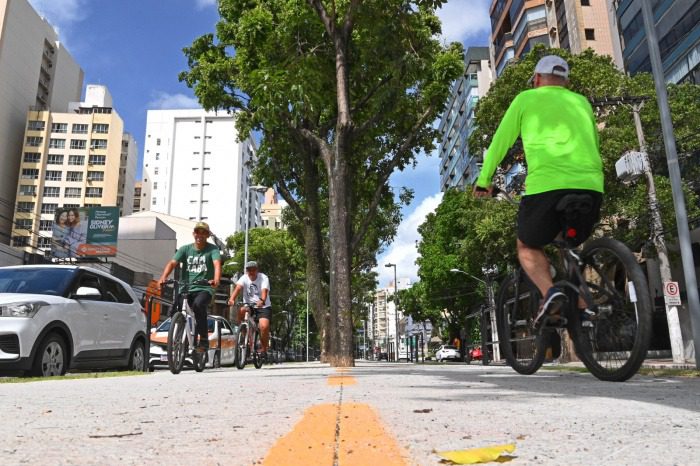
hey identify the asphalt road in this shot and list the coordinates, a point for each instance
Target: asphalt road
(233, 417)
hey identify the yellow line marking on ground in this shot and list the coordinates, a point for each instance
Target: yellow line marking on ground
(337, 380)
(363, 439)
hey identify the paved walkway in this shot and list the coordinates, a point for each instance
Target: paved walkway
(375, 413)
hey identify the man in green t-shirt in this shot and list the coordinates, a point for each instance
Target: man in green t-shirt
(560, 139)
(200, 261)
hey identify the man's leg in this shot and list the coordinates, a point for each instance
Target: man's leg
(199, 306)
(264, 326)
(536, 265)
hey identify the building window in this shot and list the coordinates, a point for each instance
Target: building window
(93, 205)
(585, 2)
(96, 176)
(34, 141)
(30, 173)
(155, 185)
(101, 128)
(20, 241)
(25, 207)
(53, 175)
(23, 223)
(98, 144)
(590, 34)
(45, 225)
(27, 190)
(57, 143)
(74, 176)
(97, 160)
(79, 128)
(52, 191)
(155, 171)
(36, 125)
(54, 159)
(48, 208)
(72, 206)
(154, 201)
(78, 144)
(44, 242)
(157, 156)
(93, 192)
(73, 192)
(32, 157)
(158, 142)
(59, 127)
(76, 160)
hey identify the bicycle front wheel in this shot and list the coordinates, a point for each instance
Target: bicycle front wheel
(257, 348)
(613, 341)
(516, 308)
(177, 343)
(242, 347)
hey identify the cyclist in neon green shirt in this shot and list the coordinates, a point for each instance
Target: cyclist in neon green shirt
(560, 139)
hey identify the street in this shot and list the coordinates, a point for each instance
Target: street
(381, 412)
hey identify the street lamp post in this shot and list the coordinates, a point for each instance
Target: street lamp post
(396, 312)
(259, 189)
(489, 272)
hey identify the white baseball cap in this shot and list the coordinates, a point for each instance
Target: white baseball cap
(551, 64)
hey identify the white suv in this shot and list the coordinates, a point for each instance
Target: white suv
(56, 317)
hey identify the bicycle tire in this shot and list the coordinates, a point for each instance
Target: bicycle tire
(257, 359)
(242, 346)
(177, 345)
(522, 347)
(614, 345)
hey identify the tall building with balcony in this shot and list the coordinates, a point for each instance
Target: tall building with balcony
(271, 211)
(577, 25)
(459, 167)
(127, 175)
(69, 159)
(516, 26)
(36, 71)
(137, 198)
(195, 168)
(678, 31)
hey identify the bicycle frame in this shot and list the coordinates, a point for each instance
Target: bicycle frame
(251, 326)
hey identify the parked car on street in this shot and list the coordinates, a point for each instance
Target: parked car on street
(59, 317)
(220, 354)
(447, 352)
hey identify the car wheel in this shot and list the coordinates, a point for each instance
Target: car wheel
(216, 363)
(52, 357)
(137, 359)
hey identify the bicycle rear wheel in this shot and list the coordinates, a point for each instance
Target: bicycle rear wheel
(516, 308)
(242, 346)
(257, 347)
(613, 342)
(177, 343)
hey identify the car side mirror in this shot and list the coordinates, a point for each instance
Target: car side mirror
(87, 292)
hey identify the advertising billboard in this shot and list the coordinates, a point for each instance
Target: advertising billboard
(85, 232)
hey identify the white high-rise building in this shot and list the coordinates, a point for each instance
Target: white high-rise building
(195, 168)
(36, 73)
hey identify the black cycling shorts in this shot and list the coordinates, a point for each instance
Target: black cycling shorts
(263, 313)
(539, 223)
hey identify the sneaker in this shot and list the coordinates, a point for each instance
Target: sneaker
(551, 304)
(586, 315)
(263, 357)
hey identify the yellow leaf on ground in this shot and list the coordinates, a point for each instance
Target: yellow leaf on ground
(477, 455)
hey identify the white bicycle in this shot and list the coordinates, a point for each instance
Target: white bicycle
(183, 330)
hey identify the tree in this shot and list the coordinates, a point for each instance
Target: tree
(358, 82)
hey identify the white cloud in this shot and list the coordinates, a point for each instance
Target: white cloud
(464, 19)
(402, 251)
(201, 4)
(165, 101)
(61, 14)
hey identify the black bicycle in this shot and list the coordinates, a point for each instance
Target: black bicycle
(248, 343)
(183, 329)
(611, 335)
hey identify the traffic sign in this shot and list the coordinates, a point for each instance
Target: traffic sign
(672, 294)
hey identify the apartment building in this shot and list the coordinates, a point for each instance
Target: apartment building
(459, 167)
(127, 175)
(678, 30)
(68, 159)
(36, 71)
(271, 211)
(196, 169)
(137, 197)
(577, 25)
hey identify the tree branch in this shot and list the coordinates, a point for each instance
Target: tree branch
(325, 18)
(349, 20)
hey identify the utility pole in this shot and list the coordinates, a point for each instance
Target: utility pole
(691, 284)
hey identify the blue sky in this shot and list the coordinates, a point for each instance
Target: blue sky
(134, 47)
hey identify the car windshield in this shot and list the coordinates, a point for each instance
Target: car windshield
(36, 280)
(451, 347)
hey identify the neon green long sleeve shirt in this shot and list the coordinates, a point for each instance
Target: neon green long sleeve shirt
(560, 139)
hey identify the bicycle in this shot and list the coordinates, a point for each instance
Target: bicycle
(248, 339)
(182, 332)
(611, 336)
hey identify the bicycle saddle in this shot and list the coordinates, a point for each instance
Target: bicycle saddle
(572, 206)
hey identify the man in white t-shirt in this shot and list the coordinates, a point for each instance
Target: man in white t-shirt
(255, 287)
